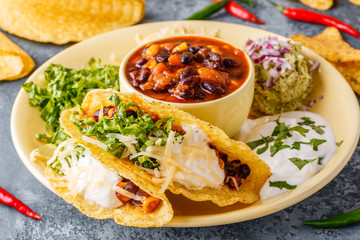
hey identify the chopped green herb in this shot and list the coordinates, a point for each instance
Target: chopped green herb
(142, 127)
(320, 160)
(66, 88)
(338, 144)
(277, 147)
(56, 166)
(308, 122)
(263, 140)
(314, 142)
(300, 130)
(300, 163)
(281, 185)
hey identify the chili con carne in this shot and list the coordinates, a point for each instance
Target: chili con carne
(342, 220)
(8, 199)
(304, 15)
(187, 69)
(240, 12)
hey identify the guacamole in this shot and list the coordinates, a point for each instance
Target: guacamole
(282, 77)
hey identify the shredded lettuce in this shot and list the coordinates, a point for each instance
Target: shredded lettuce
(142, 126)
(66, 88)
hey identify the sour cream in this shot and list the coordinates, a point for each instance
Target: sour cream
(194, 153)
(88, 177)
(286, 163)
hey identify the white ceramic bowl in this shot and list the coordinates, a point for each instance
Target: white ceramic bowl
(228, 112)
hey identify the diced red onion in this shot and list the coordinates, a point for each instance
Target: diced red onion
(249, 42)
(314, 67)
(274, 73)
(269, 51)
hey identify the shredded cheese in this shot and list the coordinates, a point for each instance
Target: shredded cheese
(94, 142)
(128, 194)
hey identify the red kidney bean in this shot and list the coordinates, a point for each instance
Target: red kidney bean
(192, 81)
(187, 72)
(214, 57)
(134, 75)
(229, 62)
(198, 95)
(193, 50)
(131, 187)
(191, 94)
(229, 169)
(141, 62)
(212, 87)
(231, 183)
(218, 66)
(163, 55)
(207, 63)
(199, 56)
(243, 171)
(186, 57)
(144, 75)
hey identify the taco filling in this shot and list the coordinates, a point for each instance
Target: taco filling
(166, 148)
(181, 154)
(82, 174)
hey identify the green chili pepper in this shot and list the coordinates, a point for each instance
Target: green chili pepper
(208, 10)
(342, 220)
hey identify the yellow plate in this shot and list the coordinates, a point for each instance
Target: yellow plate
(339, 106)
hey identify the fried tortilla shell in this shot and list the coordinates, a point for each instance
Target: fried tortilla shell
(65, 21)
(127, 214)
(248, 191)
(14, 62)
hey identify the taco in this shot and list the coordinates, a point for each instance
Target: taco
(103, 189)
(167, 148)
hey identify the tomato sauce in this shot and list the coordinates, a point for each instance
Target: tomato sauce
(187, 69)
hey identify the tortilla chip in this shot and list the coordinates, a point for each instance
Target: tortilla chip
(318, 4)
(356, 2)
(331, 46)
(65, 21)
(248, 191)
(14, 62)
(128, 214)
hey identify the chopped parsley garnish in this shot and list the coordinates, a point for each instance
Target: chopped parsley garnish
(300, 163)
(281, 185)
(320, 160)
(142, 127)
(256, 143)
(338, 144)
(283, 131)
(314, 142)
(308, 122)
(66, 88)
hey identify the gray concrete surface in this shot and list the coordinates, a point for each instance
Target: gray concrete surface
(63, 221)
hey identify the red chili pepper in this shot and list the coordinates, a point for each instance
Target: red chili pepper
(304, 15)
(239, 12)
(8, 199)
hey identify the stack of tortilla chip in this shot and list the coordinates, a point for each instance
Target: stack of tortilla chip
(318, 4)
(331, 46)
(357, 2)
(67, 21)
(14, 62)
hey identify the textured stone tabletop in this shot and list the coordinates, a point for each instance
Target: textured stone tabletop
(63, 221)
